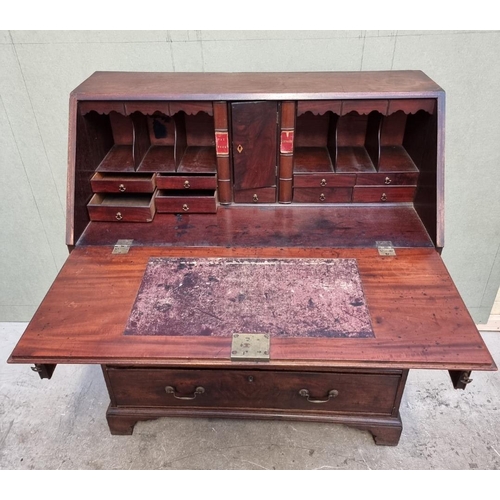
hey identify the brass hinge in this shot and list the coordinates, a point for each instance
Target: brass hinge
(122, 246)
(385, 248)
(250, 347)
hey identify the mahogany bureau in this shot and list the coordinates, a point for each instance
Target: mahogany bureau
(256, 246)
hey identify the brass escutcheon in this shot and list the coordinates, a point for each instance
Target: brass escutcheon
(122, 188)
(383, 197)
(239, 148)
(187, 185)
(118, 216)
(185, 207)
(255, 198)
(323, 182)
(322, 197)
(387, 180)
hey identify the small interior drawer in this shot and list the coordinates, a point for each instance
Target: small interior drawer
(324, 180)
(106, 207)
(260, 195)
(102, 182)
(322, 195)
(186, 182)
(187, 201)
(387, 179)
(330, 392)
(387, 194)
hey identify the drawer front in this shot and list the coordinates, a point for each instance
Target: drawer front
(389, 179)
(121, 208)
(178, 202)
(187, 182)
(322, 195)
(119, 183)
(330, 392)
(261, 195)
(383, 194)
(324, 180)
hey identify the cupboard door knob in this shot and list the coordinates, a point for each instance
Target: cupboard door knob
(323, 182)
(255, 198)
(118, 216)
(322, 197)
(171, 390)
(239, 148)
(185, 207)
(187, 185)
(383, 197)
(387, 180)
(122, 188)
(331, 394)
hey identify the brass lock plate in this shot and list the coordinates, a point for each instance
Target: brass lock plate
(250, 347)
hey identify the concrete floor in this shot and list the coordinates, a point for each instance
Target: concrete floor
(60, 424)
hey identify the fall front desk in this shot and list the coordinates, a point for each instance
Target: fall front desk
(256, 245)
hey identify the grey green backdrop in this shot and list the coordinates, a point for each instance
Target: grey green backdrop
(38, 69)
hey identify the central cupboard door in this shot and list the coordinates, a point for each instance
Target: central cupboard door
(254, 145)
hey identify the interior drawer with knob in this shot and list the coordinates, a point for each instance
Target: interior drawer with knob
(386, 194)
(122, 183)
(106, 207)
(315, 391)
(191, 182)
(258, 195)
(387, 179)
(322, 195)
(323, 180)
(178, 202)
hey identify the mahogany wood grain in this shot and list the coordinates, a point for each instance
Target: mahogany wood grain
(275, 226)
(385, 430)
(191, 108)
(186, 182)
(118, 159)
(254, 131)
(102, 107)
(146, 107)
(117, 85)
(325, 179)
(123, 129)
(415, 309)
(412, 106)
(357, 392)
(323, 195)
(387, 179)
(121, 207)
(288, 115)
(261, 195)
(186, 201)
(319, 107)
(312, 159)
(364, 107)
(388, 194)
(158, 159)
(116, 183)
(198, 159)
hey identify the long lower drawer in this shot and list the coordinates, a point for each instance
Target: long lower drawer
(315, 391)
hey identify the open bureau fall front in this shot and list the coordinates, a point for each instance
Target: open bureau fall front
(256, 245)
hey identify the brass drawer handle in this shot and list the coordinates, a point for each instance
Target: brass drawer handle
(122, 188)
(185, 207)
(118, 216)
(331, 394)
(170, 390)
(187, 185)
(383, 197)
(322, 197)
(387, 180)
(323, 182)
(255, 198)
